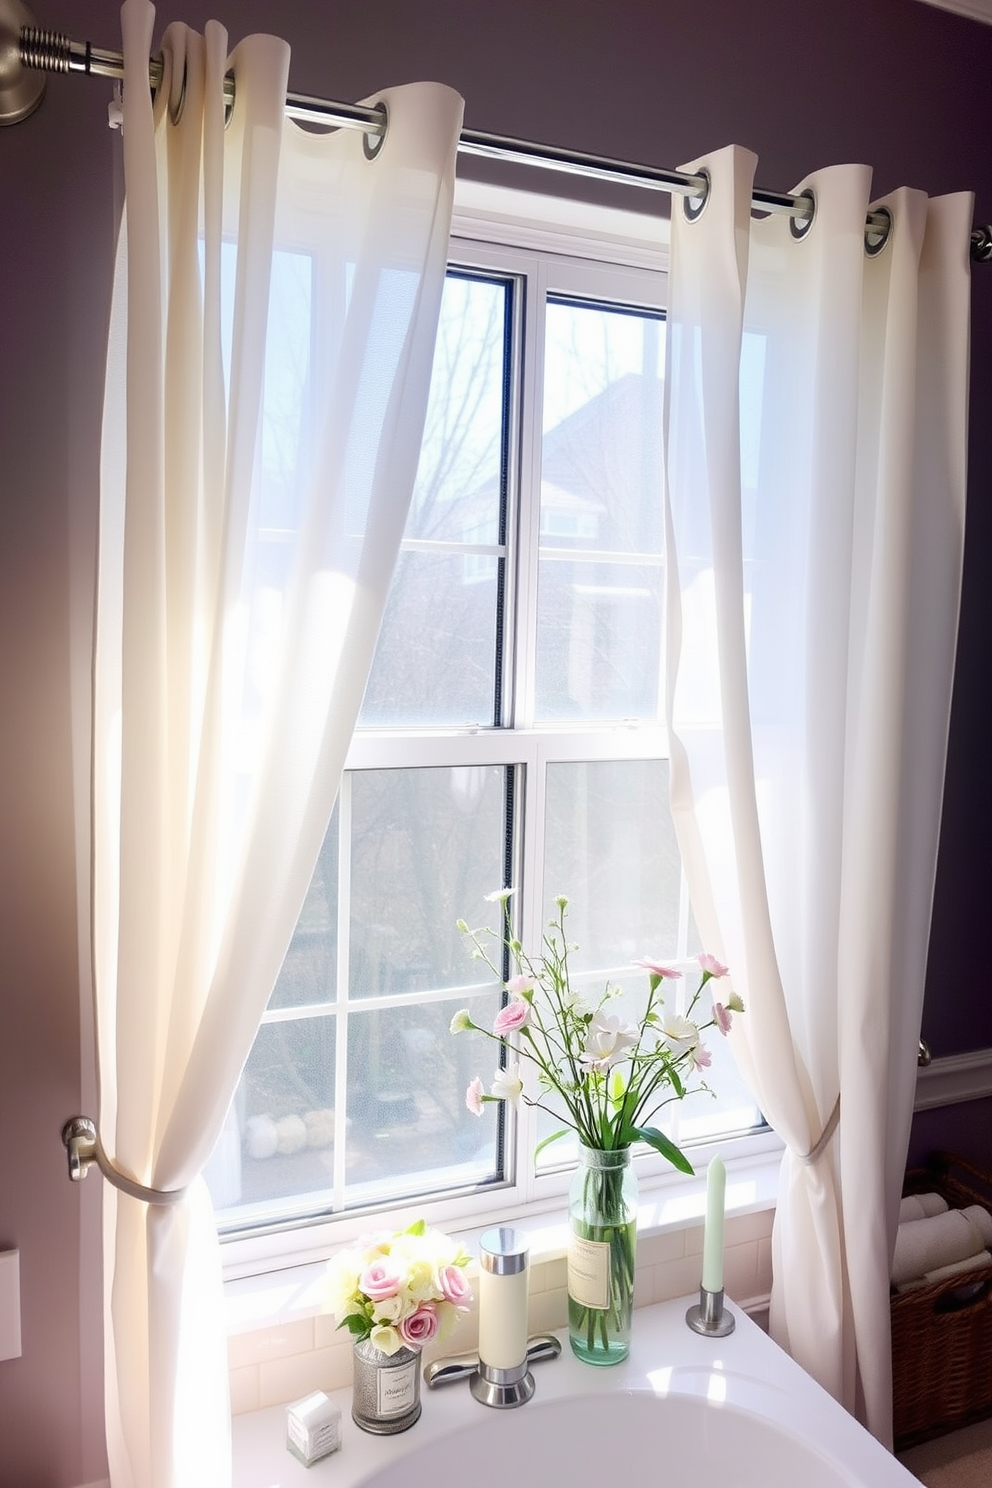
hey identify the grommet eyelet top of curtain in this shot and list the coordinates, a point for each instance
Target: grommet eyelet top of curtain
(693, 207)
(177, 102)
(372, 143)
(799, 226)
(876, 232)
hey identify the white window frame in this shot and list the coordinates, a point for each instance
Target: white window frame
(584, 252)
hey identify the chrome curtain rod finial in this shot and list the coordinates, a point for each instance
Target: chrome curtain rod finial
(21, 88)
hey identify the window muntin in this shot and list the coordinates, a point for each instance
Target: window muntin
(520, 660)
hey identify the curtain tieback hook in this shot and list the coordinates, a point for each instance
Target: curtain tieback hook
(81, 1141)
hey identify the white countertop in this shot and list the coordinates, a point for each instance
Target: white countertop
(745, 1376)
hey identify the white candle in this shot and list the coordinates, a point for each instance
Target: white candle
(716, 1187)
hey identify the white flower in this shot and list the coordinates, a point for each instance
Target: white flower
(679, 1033)
(507, 1084)
(498, 896)
(390, 1309)
(607, 1040)
(386, 1337)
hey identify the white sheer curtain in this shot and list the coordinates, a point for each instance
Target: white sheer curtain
(274, 313)
(815, 411)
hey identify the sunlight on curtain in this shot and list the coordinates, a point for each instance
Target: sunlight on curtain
(275, 306)
(815, 424)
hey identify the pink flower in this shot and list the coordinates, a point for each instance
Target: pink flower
(701, 1057)
(656, 969)
(378, 1282)
(711, 965)
(454, 1286)
(473, 1096)
(420, 1327)
(520, 984)
(723, 1018)
(511, 1017)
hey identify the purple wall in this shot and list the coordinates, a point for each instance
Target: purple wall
(805, 83)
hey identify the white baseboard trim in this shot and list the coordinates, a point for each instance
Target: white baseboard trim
(958, 1077)
(758, 1304)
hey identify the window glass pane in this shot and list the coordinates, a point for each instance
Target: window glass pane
(435, 663)
(610, 848)
(457, 493)
(599, 623)
(599, 640)
(728, 1105)
(278, 1143)
(427, 845)
(309, 972)
(409, 1129)
(436, 659)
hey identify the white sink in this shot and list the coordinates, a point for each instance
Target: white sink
(682, 1410)
(586, 1441)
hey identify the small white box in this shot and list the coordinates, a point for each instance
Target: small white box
(10, 1304)
(313, 1427)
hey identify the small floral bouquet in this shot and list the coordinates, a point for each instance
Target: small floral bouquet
(400, 1289)
(610, 1077)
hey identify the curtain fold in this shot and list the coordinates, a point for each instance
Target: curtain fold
(815, 435)
(275, 304)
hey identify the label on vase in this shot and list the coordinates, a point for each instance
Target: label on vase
(589, 1272)
(396, 1389)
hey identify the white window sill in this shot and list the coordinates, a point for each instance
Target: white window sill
(275, 1298)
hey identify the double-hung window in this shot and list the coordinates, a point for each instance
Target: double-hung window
(511, 733)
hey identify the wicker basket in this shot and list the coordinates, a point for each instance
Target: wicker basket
(942, 1334)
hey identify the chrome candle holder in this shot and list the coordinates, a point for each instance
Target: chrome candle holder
(709, 1317)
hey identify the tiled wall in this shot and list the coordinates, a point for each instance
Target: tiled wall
(281, 1363)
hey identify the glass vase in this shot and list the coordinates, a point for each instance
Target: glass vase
(385, 1395)
(602, 1209)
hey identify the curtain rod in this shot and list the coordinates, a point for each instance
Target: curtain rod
(25, 49)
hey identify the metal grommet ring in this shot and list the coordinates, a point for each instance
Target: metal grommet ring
(176, 109)
(799, 226)
(876, 232)
(373, 141)
(693, 207)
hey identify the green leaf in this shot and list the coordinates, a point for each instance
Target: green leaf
(662, 1144)
(355, 1322)
(417, 1228)
(562, 1132)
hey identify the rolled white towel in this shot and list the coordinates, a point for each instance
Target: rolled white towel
(291, 1135)
(261, 1137)
(921, 1206)
(982, 1220)
(958, 1268)
(924, 1244)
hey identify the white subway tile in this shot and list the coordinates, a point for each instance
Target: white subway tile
(740, 1271)
(548, 1311)
(278, 1342)
(283, 1380)
(244, 1389)
(741, 1227)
